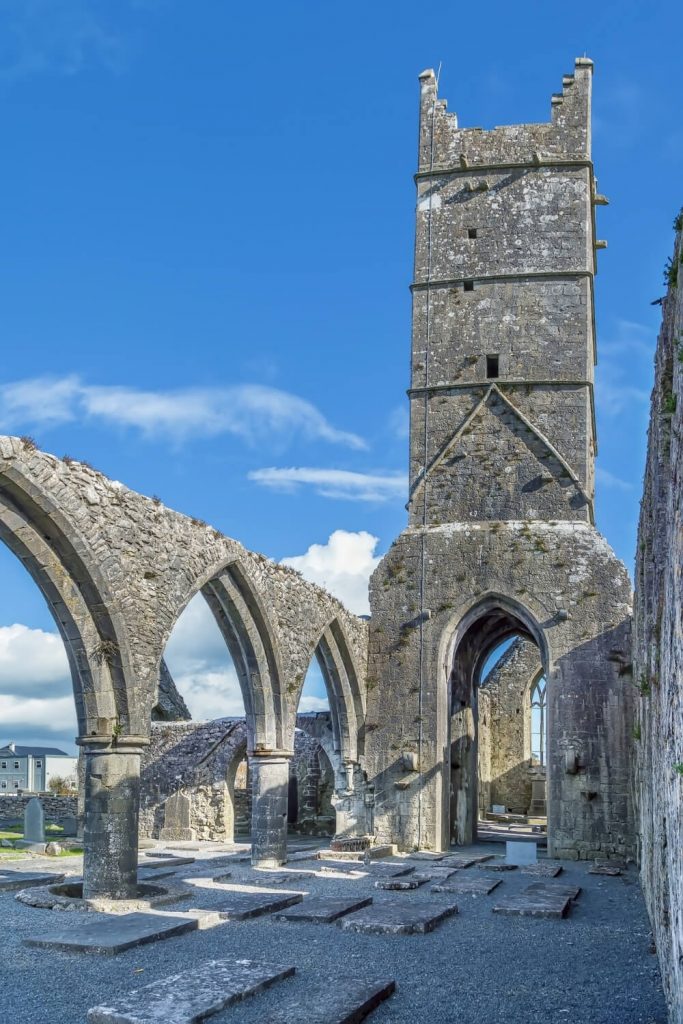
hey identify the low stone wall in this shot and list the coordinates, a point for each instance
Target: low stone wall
(56, 808)
(658, 651)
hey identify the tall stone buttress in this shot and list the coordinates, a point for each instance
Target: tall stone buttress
(500, 540)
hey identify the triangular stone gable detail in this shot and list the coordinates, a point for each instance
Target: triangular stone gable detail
(532, 465)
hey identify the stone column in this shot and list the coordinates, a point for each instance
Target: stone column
(269, 787)
(112, 801)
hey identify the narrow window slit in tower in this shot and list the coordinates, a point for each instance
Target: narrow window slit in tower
(492, 367)
(471, 232)
(469, 286)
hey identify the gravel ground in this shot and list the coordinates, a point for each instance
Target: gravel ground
(594, 967)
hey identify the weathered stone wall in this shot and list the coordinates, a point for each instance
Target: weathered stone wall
(658, 650)
(505, 727)
(504, 260)
(500, 539)
(56, 808)
(118, 568)
(563, 582)
(205, 762)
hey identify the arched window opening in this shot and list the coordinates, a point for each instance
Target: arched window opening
(198, 678)
(538, 722)
(37, 707)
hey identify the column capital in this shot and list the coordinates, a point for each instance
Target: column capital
(274, 755)
(102, 745)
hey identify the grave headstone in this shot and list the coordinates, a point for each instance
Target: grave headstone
(520, 853)
(70, 826)
(177, 810)
(34, 826)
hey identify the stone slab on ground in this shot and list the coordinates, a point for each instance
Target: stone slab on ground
(239, 906)
(279, 877)
(501, 866)
(12, 881)
(476, 886)
(164, 862)
(406, 884)
(539, 904)
(542, 870)
(374, 853)
(348, 1000)
(438, 873)
(154, 874)
(388, 869)
(108, 934)
(426, 855)
(398, 918)
(570, 892)
(463, 860)
(604, 869)
(323, 909)
(192, 995)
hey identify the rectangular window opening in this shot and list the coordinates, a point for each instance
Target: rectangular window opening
(16, 764)
(471, 232)
(469, 286)
(492, 366)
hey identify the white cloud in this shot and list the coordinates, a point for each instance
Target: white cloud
(399, 422)
(343, 566)
(41, 36)
(54, 714)
(334, 483)
(251, 411)
(607, 479)
(308, 703)
(201, 666)
(32, 659)
(613, 396)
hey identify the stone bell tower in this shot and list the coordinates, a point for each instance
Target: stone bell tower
(503, 346)
(500, 540)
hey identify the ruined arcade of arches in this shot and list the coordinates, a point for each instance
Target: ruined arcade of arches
(500, 545)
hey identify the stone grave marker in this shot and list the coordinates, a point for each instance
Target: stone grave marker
(520, 853)
(239, 906)
(34, 826)
(11, 881)
(192, 995)
(401, 884)
(323, 909)
(542, 870)
(398, 918)
(348, 1001)
(475, 886)
(108, 934)
(177, 809)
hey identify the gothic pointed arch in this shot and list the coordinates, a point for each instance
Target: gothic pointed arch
(35, 526)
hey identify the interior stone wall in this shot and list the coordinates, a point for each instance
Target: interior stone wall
(658, 649)
(505, 728)
(206, 762)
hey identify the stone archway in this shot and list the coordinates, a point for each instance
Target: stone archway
(484, 627)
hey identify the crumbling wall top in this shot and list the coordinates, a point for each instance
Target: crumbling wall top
(565, 138)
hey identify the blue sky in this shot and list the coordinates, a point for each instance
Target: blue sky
(207, 236)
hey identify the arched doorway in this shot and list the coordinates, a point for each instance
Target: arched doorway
(485, 631)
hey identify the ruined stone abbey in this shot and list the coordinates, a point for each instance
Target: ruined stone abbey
(423, 736)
